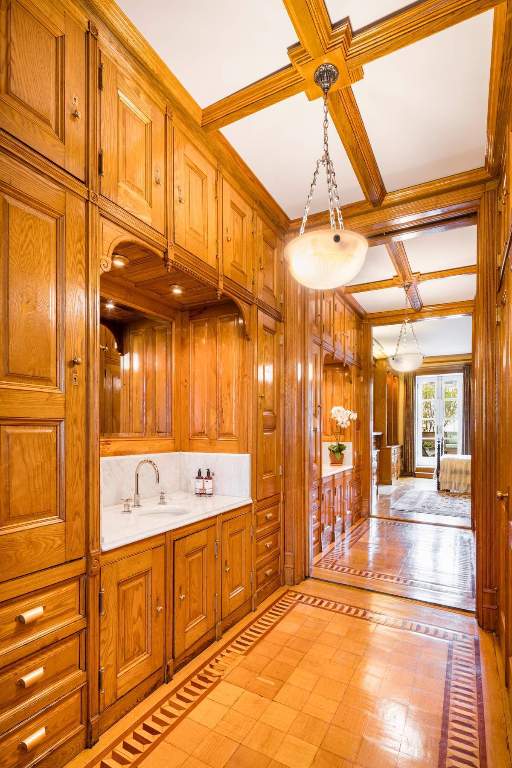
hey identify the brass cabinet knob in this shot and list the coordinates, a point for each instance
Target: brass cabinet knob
(159, 608)
(31, 678)
(76, 360)
(28, 617)
(31, 742)
(227, 568)
(501, 495)
(181, 596)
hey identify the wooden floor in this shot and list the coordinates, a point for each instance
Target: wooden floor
(431, 561)
(329, 677)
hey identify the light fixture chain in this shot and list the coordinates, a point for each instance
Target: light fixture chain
(310, 197)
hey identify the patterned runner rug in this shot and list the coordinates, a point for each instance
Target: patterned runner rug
(434, 503)
(290, 685)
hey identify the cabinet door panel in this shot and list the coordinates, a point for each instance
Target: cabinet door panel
(132, 623)
(315, 314)
(327, 317)
(132, 139)
(236, 563)
(270, 266)
(44, 78)
(269, 447)
(237, 253)
(315, 408)
(42, 400)
(339, 327)
(194, 588)
(195, 204)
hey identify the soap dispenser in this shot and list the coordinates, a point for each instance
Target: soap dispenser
(199, 484)
(208, 484)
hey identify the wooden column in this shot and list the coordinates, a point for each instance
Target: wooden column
(484, 432)
(366, 418)
(295, 531)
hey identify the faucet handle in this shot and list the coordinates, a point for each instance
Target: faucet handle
(127, 504)
(163, 497)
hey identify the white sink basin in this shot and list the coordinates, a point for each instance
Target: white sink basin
(162, 509)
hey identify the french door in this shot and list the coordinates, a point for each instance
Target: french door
(439, 409)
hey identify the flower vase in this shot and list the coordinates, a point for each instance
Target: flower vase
(336, 458)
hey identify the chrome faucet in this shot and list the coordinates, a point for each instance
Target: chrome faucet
(136, 495)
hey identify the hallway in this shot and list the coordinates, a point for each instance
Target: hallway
(418, 554)
(325, 676)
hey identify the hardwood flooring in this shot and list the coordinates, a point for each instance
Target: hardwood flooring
(325, 676)
(430, 561)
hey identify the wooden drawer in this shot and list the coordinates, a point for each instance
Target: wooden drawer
(24, 620)
(268, 546)
(267, 572)
(38, 680)
(267, 518)
(37, 736)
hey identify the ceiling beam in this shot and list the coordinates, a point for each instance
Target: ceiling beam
(500, 87)
(400, 261)
(419, 277)
(352, 132)
(407, 26)
(391, 317)
(263, 93)
(312, 24)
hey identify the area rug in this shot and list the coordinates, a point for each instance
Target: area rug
(434, 503)
(208, 714)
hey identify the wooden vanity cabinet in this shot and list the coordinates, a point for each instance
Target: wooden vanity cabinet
(268, 547)
(194, 589)
(195, 200)
(132, 158)
(43, 88)
(236, 563)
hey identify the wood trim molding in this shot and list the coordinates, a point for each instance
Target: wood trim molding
(312, 24)
(391, 317)
(419, 277)
(500, 87)
(409, 25)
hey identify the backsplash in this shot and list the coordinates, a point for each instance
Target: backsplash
(325, 453)
(232, 474)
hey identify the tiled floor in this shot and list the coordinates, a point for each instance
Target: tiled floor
(325, 677)
(425, 561)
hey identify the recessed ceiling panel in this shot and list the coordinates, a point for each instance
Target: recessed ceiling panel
(215, 48)
(377, 266)
(282, 143)
(425, 106)
(436, 336)
(382, 300)
(361, 13)
(457, 288)
(430, 252)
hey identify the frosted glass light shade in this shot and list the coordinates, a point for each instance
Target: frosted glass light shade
(405, 362)
(326, 258)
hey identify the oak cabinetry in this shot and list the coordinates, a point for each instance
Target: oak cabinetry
(338, 326)
(194, 588)
(132, 622)
(236, 563)
(339, 499)
(195, 200)
(386, 415)
(237, 238)
(269, 266)
(269, 427)
(215, 384)
(43, 87)
(314, 309)
(132, 144)
(268, 547)
(315, 409)
(42, 376)
(328, 319)
(327, 510)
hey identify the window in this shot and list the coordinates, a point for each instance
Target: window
(439, 405)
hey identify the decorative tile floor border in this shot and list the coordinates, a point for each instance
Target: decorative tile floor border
(330, 561)
(462, 743)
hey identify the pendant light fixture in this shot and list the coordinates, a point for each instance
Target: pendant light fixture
(408, 356)
(326, 258)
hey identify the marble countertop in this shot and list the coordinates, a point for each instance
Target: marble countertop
(333, 469)
(119, 528)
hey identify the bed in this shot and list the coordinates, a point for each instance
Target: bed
(455, 473)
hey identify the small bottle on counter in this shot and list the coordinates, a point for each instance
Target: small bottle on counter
(199, 484)
(208, 483)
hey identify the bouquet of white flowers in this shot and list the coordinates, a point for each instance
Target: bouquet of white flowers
(342, 417)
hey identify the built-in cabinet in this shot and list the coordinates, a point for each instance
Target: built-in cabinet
(386, 421)
(108, 162)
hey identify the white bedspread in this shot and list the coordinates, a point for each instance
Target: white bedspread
(455, 473)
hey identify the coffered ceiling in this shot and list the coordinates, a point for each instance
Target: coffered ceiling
(436, 336)
(413, 104)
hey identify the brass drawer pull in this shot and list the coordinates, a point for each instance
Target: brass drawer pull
(227, 568)
(31, 678)
(181, 596)
(33, 614)
(269, 572)
(269, 516)
(268, 544)
(32, 741)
